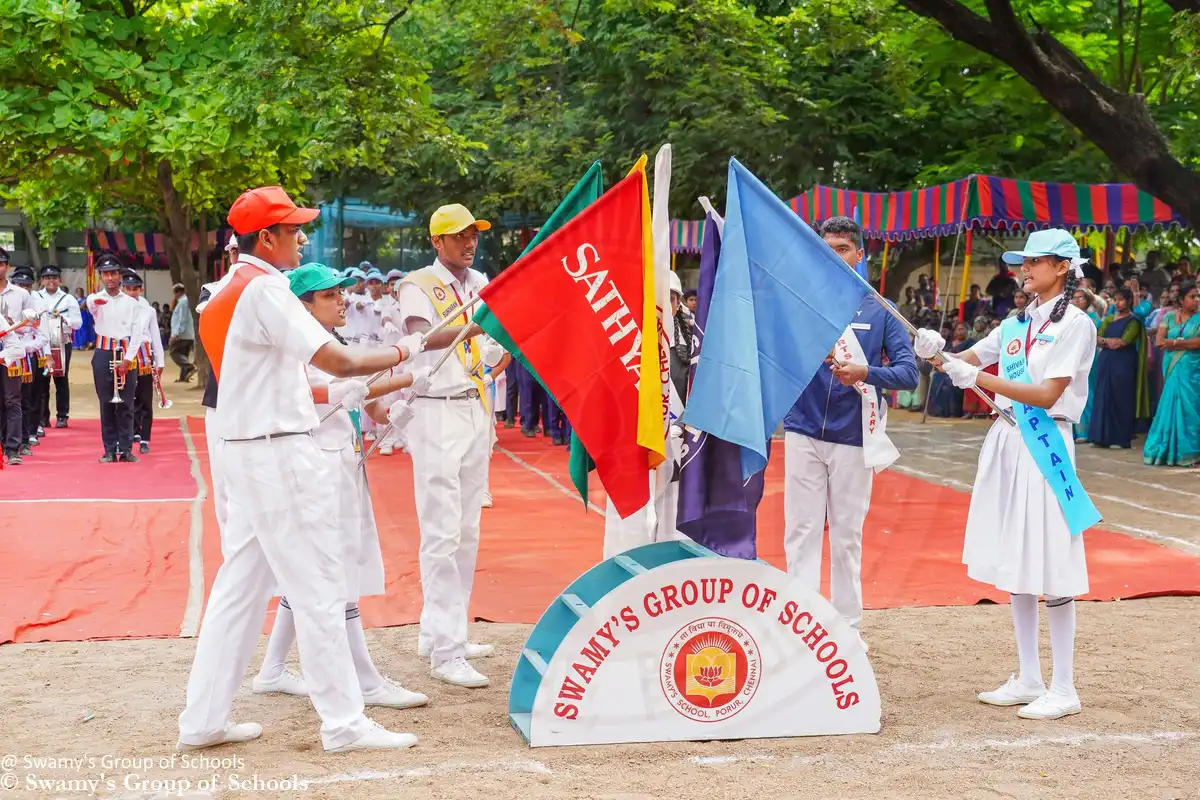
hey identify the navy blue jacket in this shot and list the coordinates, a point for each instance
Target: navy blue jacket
(832, 412)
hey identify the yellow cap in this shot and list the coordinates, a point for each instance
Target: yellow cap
(454, 218)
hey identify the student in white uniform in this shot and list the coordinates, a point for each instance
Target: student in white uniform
(150, 363)
(449, 440)
(119, 336)
(340, 440)
(279, 489)
(1027, 508)
(389, 325)
(58, 307)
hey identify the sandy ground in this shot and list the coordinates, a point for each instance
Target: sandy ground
(113, 705)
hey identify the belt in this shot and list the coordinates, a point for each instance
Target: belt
(268, 437)
(470, 394)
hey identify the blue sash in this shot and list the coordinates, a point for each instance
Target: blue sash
(1041, 435)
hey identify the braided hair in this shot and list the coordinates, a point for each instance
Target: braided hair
(1070, 284)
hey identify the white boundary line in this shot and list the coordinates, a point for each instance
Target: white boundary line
(195, 597)
(548, 478)
(451, 768)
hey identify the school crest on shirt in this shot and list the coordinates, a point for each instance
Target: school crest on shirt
(439, 293)
(1013, 347)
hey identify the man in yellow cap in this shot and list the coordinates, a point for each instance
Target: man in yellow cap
(449, 440)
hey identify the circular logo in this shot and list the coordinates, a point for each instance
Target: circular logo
(1013, 347)
(439, 293)
(710, 669)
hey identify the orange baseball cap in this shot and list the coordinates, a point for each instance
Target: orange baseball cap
(265, 206)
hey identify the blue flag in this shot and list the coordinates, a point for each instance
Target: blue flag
(781, 299)
(717, 507)
(861, 266)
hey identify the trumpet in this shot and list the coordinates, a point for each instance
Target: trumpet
(118, 376)
(163, 402)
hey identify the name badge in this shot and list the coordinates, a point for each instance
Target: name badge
(860, 326)
(1044, 337)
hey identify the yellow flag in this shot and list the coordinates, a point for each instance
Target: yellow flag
(651, 434)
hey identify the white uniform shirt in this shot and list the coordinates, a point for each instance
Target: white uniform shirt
(452, 378)
(1069, 355)
(263, 388)
(151, 332)
(14, 300)
(64, 302)
(120, 317)
(336, 432)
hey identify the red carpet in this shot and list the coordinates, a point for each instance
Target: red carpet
(116, 570)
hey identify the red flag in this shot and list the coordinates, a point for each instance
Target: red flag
(574, 309)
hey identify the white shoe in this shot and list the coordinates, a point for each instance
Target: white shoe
(1012, 693)
(392, 695)
(234, 734)
(474, 650)
(386, 449)
(457, 672)
(369, 436)
(378, 737)
(487, 499)
(288, 682)
(1051, 705)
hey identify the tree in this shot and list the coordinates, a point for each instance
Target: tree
(1109, 102)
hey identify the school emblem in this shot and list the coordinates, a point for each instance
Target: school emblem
(1014, 347)
(710, 669)
(440, 294)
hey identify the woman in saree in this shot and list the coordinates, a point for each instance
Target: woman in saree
(1085, 301)
(944, 399)
(1118, 377)
(1174, 438)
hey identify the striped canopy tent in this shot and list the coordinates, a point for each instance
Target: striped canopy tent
(148, 249)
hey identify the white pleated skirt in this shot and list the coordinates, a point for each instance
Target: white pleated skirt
(361, 554)
(1017, 537)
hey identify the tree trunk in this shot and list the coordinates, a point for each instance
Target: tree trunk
(178, 217)
(904, 264)
(32, 245)
(1119, 124)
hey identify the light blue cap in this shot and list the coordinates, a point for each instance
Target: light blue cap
(358, 274)
(395, 273)
(375, 275)
(1053, 242)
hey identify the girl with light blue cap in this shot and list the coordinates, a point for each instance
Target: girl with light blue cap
(1028, 509)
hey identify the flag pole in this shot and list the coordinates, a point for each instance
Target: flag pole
(424, 338)
(445, 355)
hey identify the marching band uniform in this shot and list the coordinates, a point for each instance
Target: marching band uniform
(449, 441)
(57, 307)
(119, 329)
(36, 351)
(13, 302)
(150, 358)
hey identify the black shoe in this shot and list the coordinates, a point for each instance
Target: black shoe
(14, 458)
(510, 424)
(144, 448)
(61, 422)
(556, 440)
(26, 450)
(41, 431)
(108, 458)
(526, 432)
(129, 458)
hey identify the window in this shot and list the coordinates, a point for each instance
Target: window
(8, 240)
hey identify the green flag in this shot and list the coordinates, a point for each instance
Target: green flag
(589, 188)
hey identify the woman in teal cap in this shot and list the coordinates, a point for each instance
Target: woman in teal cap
(1027, 508)
(339, 437)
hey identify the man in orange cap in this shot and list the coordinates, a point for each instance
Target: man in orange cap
(449, 441)
(276, 485)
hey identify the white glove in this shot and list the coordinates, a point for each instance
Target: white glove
(13, 353)
(400, 414)
(351, 393)
(488, 380)
(388, 327)
(412, 343)
(422, 377)
(961, 373)
(675, 431)
(492, 354)
(928, 344)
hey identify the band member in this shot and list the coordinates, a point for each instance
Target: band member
(835, 441)
(449, 440)
(278, 487)
(1028, 510)
(58, 307)
(13, 303)
(150, 363)
(340, 440)
(119, 336)
(36, 354)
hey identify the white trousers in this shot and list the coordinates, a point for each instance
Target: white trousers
(653, 522)
(449, 444)
(214, 468)
(826, 480)
(280, 525)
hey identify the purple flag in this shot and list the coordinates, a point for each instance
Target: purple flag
(716, 507)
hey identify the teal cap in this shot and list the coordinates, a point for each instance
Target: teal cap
(315, 278)
(1053, 242)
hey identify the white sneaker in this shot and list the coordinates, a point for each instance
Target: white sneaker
(234, 734)
(1051, 705)
(288, 682)
(487, 499)
(474, 650)
(386, 449)
(378, 737)
(457, 672)
(1012, 693)
(369, 436)
(392, 695)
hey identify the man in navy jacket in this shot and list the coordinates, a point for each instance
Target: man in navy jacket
(828, 469)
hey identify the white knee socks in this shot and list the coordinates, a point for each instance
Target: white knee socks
(283, 634)
(369, 678)
(1025, 628)
(1060, 611)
